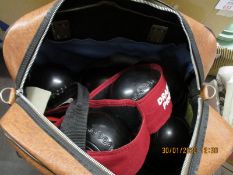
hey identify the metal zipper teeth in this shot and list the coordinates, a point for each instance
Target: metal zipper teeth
(20, 93)
(20, 90)
(166, 9)
(188, 157)
(63, 136)
(38, 47)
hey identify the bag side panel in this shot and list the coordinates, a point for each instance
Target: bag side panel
(205, 42)
(219, 135)
(31, 161)
(19, 37)
(20, 127)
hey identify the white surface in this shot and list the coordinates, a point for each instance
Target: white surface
(225, 73)
(225, 5)
(39, 98)
(226, 13)
(214, 102)
(228, 104)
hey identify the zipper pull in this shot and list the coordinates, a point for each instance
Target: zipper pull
(207, 91)
(11, 97)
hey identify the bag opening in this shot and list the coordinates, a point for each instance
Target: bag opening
(109, 34)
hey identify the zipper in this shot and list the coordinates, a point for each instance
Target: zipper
(196, 158)
(166, 9)
(57, 6)
(34, 43)
(20, 92)
(188, 157)
(63, 136)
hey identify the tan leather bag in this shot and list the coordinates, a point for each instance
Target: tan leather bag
(50, 151)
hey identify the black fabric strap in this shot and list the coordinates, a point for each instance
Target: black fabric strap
(74, 124)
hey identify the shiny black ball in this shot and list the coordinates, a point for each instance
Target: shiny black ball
(94, 82)
(135, 83)
(105, 132)
(167, 144)
(94, 77)
(53, 78)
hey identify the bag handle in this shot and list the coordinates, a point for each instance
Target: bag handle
(74, 124)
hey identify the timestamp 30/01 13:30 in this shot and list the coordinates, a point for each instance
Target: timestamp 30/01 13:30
(189, 150)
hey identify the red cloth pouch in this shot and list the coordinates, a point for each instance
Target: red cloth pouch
(128, 159)
(154, 108)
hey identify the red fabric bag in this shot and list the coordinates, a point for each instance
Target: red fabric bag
(155, 109)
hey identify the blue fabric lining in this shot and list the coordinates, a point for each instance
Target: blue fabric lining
(75, 54)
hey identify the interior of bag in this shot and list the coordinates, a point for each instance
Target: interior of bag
(91, 35)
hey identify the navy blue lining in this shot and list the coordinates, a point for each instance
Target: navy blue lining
(76, 54)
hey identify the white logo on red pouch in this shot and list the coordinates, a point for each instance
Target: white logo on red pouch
(165, 98)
